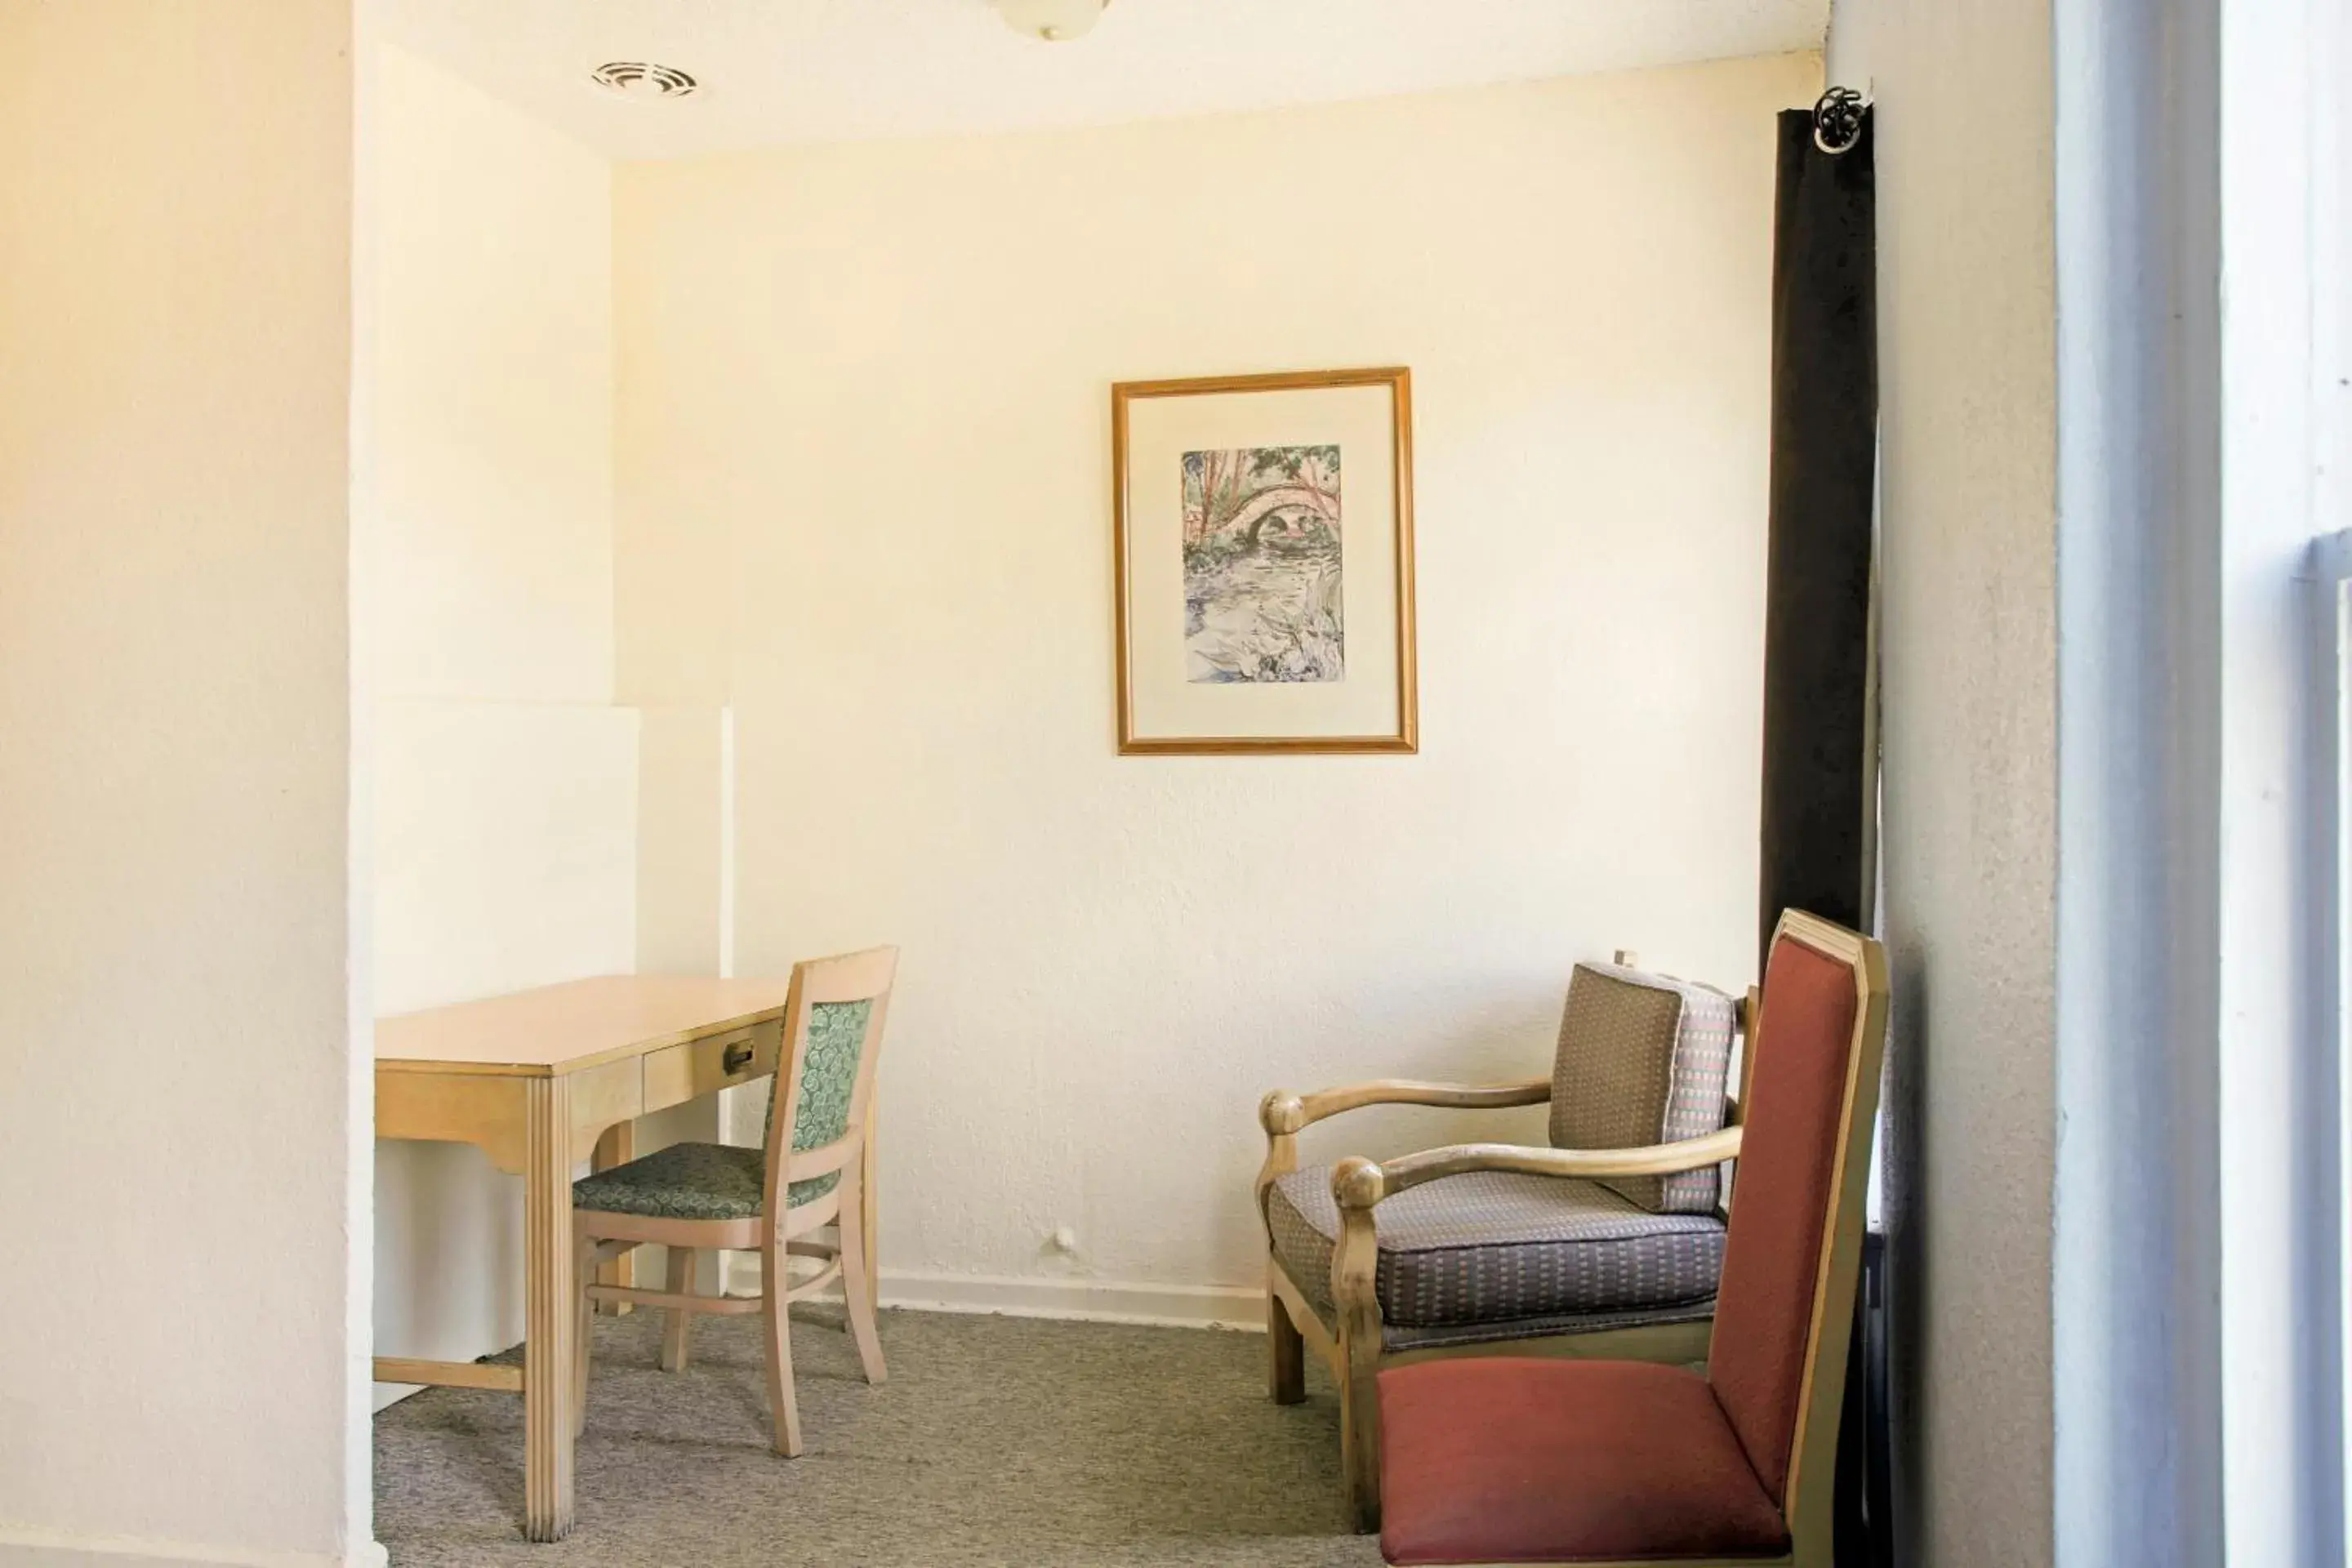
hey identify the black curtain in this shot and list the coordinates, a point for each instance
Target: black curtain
(1821, 780)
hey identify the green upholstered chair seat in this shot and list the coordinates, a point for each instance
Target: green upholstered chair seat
(692, 1181)
(720, 1181)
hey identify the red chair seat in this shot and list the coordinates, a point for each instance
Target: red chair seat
(1510, 1459)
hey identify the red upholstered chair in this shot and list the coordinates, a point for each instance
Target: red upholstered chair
(1516, 1460)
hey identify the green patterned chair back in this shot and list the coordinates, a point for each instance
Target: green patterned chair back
(833, 1033)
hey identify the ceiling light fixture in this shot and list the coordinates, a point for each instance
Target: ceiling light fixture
(1055, 21)
(642, 82)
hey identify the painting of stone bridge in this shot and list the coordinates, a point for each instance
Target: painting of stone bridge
(1261, 600)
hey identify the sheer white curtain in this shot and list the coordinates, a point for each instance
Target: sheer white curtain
(2330, 859)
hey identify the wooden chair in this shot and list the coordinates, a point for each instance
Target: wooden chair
(1615, 1463)
(810, 1174)
(1624, 1265)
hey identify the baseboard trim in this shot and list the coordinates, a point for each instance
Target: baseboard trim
(22, 1548)
(1078, 1300)
(1083, 1300)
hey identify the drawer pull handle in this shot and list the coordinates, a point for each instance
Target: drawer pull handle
(736, 1057)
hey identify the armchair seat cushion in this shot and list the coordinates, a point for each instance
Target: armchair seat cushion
(1510, 1459)
(1497, 1248)
(692, 1181)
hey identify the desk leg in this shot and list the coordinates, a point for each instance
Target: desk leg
(551, 1312)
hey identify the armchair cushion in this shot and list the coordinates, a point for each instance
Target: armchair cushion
(1493, 1249)
(1515, 1460)
(1643, 1059)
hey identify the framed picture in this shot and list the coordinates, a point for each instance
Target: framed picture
(1261, 527)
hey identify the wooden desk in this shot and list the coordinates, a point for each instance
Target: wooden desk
(536, 1078)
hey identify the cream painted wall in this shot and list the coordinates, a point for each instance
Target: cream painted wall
(495, 360)
(1969, 348)
(182, 1374)
(682, 779)
(862, 468)
(506, 788)
(505, 843)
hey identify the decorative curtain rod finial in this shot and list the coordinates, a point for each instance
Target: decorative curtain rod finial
(1837, 120)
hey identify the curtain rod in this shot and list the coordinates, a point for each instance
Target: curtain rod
(1837, 120)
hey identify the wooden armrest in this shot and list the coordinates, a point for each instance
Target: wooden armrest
(1360, 1183)
(1283, 1113)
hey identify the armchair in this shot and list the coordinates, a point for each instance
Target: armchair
(1606, 1245)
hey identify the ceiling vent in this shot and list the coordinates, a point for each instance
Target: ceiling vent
(642, 82)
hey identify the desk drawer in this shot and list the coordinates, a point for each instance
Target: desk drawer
(680, 1073)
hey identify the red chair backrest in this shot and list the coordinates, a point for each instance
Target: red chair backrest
(1780, 1200)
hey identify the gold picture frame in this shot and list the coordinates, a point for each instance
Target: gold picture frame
(1274, 618)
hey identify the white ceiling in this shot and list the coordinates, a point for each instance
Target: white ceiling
(777, 71)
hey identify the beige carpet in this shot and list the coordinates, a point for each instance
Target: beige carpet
(995, 1441)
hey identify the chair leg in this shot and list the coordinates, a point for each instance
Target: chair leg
(1286, 1354)
(580, 1342)
(783, 1403)
(869, 1185)
(1360, 1436)
(857, 1274)
(678, 1324)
